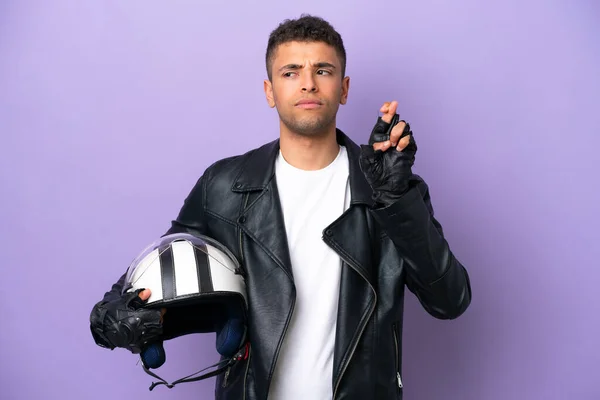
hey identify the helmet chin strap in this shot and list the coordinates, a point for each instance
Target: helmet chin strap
(242, 354)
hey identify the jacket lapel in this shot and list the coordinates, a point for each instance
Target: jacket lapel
(350, 234)
(262, 218)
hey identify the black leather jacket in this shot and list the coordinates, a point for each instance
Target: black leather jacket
(383, 251)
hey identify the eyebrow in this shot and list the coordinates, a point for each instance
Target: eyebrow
(317, 65)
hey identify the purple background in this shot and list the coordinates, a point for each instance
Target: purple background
(110, 110)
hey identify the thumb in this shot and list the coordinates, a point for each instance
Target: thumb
(145, 294)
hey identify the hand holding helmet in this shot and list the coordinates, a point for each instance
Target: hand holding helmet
(125, 323)
(202, 284)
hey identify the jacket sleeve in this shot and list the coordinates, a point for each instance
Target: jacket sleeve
(190, 220)
(434, 275)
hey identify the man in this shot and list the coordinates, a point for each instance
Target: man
(329, 234)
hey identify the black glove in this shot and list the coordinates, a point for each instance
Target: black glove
(124, 323)
(388, 172)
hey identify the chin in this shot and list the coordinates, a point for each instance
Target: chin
(310, 131)
(308, 125)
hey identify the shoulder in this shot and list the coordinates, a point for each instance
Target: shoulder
(226, 170)
(215, 184)
(249, 170)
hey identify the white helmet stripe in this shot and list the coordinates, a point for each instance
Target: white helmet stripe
(221, 277)
(185, 264)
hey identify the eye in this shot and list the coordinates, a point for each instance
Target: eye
(288, 74)
(323, 72)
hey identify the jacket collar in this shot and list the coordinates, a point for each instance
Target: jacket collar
(259, 169)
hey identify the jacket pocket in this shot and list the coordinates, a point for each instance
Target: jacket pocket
(398, 376)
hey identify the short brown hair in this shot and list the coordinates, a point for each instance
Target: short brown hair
(307, 28)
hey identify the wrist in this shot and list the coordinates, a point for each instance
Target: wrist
(385, 198)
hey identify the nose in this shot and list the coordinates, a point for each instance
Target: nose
(309, 84)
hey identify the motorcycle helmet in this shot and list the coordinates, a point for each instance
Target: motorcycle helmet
(200, 284)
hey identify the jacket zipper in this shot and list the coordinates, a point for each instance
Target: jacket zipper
(240, 237)
(224, 384)
(398, 377)
(287, 322)
(355, 343)
(244, 273)
(246, 373)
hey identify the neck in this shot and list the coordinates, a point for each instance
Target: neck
(309, 153)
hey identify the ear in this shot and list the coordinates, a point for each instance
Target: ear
(268, 87)
(345, 90)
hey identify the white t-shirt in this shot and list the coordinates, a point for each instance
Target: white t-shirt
(311, 200)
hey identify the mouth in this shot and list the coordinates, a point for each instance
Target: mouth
(308, 104)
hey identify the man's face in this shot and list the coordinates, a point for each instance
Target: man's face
(306, 87)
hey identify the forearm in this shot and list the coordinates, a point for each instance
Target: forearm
(434, 274)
